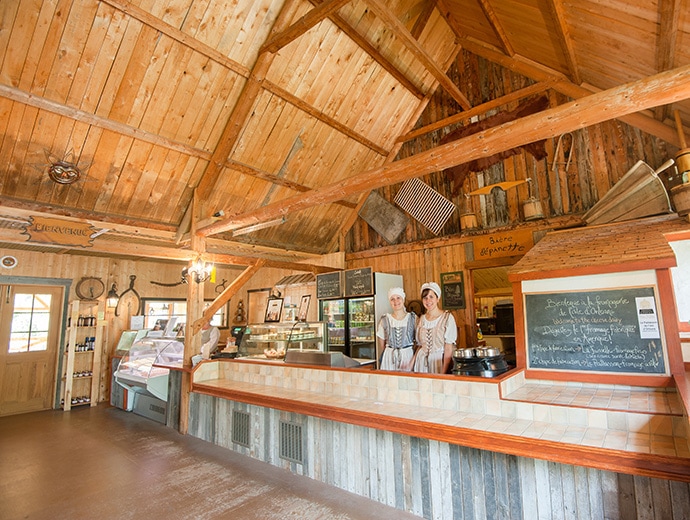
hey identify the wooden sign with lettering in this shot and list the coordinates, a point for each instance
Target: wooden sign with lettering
(497, 245)
(57, 231)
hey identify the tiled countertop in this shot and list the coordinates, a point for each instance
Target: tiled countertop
(628, 420)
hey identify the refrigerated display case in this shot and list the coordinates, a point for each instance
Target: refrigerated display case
(352, 320)
(118, 396)
(281, 337)
(146, 382)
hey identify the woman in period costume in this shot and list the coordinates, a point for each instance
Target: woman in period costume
(395, 334)
(436, 334)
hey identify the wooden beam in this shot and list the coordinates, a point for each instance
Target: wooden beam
(243, 108)
(224, 297)
(317, 114)
(173, 32)
(101, 122)
(131, 227)
(105, 246)
(423, 19)
(274, 179)
(666, 87)
(401, 32)
(532, 90)
(666, 43)
(564, 39)
(414, 117)
(372, 51)
(561, 84)
(297, 29)
(497, 27)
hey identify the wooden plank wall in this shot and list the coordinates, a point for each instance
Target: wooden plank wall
(439, 480)
(601, 155)
(419, 265)
(44, 265)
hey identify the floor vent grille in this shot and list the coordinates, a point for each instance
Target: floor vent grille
(240, 428)
(291, 442)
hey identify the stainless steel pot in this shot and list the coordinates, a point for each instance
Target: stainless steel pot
(488, 352)
(463, 353)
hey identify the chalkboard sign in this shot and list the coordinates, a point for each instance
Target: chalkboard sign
(611, 330)
(328, 285)
(452, 290)
(359, 282)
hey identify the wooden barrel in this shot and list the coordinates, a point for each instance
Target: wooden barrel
(468, 221)
(532, 209)
(683, 160)
(681, 198)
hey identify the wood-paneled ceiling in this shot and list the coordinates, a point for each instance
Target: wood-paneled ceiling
(176, 110)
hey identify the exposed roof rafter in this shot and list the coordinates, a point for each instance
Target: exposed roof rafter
(663, 88)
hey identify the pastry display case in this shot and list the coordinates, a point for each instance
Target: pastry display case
(275, 339)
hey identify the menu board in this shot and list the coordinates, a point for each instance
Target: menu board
(328, 285)
(359, 282)
(452, 290)
(610, 330)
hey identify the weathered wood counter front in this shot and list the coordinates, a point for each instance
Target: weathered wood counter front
(441, 443)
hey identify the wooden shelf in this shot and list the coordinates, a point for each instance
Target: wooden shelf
(76, 335)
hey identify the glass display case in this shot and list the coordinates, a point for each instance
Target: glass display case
(260, 338)
(136, 371)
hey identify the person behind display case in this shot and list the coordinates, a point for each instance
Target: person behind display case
(436, 334)
(209, 340)
(395, 334)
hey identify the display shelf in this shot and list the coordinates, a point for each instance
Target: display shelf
(84, 335)
(284, 336)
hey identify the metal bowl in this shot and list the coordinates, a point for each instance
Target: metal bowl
(488, 352)
(464, 353)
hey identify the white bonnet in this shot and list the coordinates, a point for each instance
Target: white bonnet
(396, 291)
(433, 286)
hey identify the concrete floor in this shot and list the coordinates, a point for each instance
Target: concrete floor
(103, 463)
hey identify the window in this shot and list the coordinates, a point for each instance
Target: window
(681, 281)
(158, 313)
(30, 323)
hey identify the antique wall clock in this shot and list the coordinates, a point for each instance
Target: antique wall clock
(89, 288)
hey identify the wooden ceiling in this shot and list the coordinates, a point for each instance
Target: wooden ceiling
(289, 111)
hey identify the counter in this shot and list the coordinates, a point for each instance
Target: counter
(433, 443)
(506, 413)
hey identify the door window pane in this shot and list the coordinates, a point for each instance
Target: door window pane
(30, 323)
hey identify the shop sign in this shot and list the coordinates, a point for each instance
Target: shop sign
(498, 245)
(62, 232)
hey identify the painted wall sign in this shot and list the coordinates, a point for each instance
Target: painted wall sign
(498, 245)
(57, 231)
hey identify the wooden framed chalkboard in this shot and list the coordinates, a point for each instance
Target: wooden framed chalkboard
(606, 330)
(452, 290)
(359, 282)
(328, 285)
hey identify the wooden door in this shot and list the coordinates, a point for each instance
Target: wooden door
(29, 337)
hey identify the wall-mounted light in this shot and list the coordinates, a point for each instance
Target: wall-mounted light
(256, 227)
(112, 298)
(199, 271)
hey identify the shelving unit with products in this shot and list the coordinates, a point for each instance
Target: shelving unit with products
(83, 349)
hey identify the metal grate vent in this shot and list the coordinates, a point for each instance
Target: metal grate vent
(425, 204)
(240, 428)
(291, 442)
